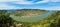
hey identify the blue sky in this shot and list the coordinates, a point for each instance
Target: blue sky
(30, 4)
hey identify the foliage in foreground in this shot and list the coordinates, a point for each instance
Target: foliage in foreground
(5, 20)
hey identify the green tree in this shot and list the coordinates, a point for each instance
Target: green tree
(5, 20)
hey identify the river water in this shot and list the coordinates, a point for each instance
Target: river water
(31, 19)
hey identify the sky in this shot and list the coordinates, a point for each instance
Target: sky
(30, 4)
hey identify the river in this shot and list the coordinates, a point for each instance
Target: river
(31, 19)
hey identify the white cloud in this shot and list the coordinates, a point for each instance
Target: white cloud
(27, 2)
(51, 8)
(17, 1)
(22, 2)
(7, 0)
(6, 7)
(55, 0)
(44, 1)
